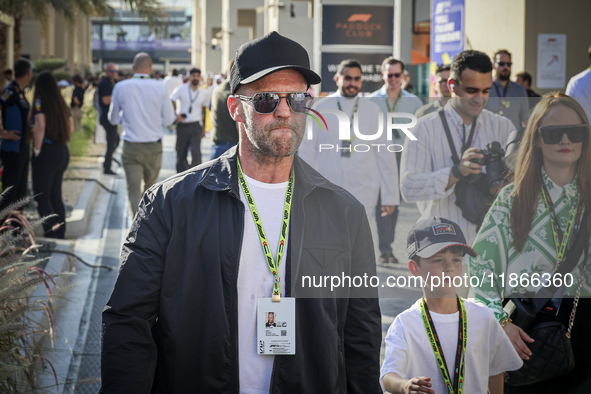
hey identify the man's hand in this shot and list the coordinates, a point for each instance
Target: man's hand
(466, 166)
(418, 384)
(517, 337)
(388, 210)
(13, 135)
(179, 118)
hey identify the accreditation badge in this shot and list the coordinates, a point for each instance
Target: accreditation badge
(276, 326)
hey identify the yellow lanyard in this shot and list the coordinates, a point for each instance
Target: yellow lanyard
(273, 265)
(457, 386)
(574, 222)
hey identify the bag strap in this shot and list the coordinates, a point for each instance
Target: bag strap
(454, 154)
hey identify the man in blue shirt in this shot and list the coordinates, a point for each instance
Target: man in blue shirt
(14, 149)
(506, 97)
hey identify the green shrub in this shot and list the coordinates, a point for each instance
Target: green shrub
(49, 64)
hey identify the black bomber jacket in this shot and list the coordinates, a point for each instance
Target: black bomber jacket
(171, 324)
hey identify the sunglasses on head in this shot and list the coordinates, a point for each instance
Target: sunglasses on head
(503, 64)
(267, 102)
(395, 75)
(553, 134)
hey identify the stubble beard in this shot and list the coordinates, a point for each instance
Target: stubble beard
(266, 147)
(504, 77)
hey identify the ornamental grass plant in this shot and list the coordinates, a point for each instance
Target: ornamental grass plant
(25, 319)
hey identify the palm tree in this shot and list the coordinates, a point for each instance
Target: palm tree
(150, 9)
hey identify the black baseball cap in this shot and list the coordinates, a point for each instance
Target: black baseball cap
(265, 55)
(430, 236)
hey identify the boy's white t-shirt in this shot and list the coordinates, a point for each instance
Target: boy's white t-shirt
(256, 281)
(488, 349)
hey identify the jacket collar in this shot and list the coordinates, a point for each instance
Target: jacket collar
(222, 175)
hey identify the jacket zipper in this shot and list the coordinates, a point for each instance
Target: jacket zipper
(236, 303)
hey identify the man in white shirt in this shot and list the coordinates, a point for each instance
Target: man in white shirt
(428, 173)
(350, 164)
(143, 106)
(579, 87)
(392, 98)
(190, 114)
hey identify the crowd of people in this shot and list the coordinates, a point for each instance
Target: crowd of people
(24, 126)
(184, 286)
(211, 297)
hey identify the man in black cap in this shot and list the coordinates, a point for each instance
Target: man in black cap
(214, 249)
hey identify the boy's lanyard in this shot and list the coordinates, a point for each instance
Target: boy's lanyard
(458, 383)
(574, 222)
(272, 263)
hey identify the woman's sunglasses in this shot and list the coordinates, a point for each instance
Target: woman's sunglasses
(266, 103)
(553, 134)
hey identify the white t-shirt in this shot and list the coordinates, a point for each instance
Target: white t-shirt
(256, 281)
(488, 350)
(189, 98)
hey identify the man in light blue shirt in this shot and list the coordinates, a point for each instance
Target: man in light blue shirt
(507, 98)
(392, 98)
(143, 106)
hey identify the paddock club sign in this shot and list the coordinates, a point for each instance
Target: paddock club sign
(357, 25)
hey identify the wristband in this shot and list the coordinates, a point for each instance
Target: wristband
(455, 170)
(36, 151)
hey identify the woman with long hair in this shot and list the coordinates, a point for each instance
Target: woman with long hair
(52, 129)
(529, 230)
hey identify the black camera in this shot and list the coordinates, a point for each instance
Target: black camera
(493, 160)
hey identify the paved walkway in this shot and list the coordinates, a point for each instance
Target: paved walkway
(81, 316)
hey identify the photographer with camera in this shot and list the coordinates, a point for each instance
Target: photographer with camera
(431, 171)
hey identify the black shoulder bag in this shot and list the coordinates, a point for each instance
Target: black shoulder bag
(552, 353)
(472, 192)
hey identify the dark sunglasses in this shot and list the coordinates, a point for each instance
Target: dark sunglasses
(553, 134)
(267, 102)
(503, 64)
(395, 75)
